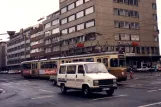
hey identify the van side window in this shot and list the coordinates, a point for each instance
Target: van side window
(71, 69)
(105, 61)
(99, 60)
(62, 70)
(80, 69)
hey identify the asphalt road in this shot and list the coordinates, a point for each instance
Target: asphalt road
(142, 91)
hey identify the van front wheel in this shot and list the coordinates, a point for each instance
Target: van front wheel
(63, 89)
(86, 91)
(110, 92)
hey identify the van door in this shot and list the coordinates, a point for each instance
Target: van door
(71, 76)
(80, 76)
(62, 75)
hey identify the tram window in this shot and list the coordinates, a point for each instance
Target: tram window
(114, 63)
(98, 60)
(62, 61)
(105, 61)
(81, 60)
(90, 59)
(75, 60)
(26, 66)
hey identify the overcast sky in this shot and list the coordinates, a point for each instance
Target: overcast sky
(17, 14)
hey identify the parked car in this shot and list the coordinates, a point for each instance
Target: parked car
(143, 69)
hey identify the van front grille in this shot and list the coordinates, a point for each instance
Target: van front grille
(106, 82)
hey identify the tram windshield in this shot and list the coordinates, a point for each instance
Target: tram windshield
(115, 62)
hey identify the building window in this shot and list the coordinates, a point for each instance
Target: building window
(143, 50)
(63, 21)
(134, 25)
(72, 29)
(63, 10)
(56, 48)
(116, 24)
(155, 17)
(72, 41)
(55, 39)
(87, 1)
(155, 28)
(135, 37)
(80, 26)
(64, 43)
(125, 37)
(148, 50)
(65, 31)
(71, 6)
(156, 39)
(79, 2)
(47, 50)
(80, 14)
(138, 49)
(62, 1)
(81, 39)
(90, 24)
(56, 30)
(154, 6)
(89, 10)
(152, 50)
(47, 42)
(47, 33)
(71, 18)
(55, 22)
(117, 36)
(47, 25)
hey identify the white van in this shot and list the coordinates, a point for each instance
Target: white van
(86, 76)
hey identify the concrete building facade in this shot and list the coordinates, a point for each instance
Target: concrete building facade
(131, 24)
(18, 48)
(2, 55)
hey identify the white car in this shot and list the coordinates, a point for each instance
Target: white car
(143, 69)
(86, 76)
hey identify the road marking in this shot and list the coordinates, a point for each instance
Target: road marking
(154, 90)
(49, 96)
(2, 91)
(148, 105)
(109, 97)
(46, 91)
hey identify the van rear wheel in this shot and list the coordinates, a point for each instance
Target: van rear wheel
(110, 92)
(63, 89)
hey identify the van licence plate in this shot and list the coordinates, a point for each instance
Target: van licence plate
(105, 89)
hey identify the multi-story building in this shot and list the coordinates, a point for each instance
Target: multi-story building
(87, 26)
(18, 48)
(113, 23)
(37, 42)
(52, 35)
(2, 55)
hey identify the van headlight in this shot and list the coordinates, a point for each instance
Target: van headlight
(114, 80)
(95, 82)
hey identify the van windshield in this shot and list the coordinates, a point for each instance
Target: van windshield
(95, 68)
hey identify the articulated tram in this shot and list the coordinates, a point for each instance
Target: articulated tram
(115, 63)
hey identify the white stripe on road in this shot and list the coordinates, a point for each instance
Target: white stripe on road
(46, 91)
(109, 97)
(154, 90)
(42, 97)
(148, 105)
(2, 91)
